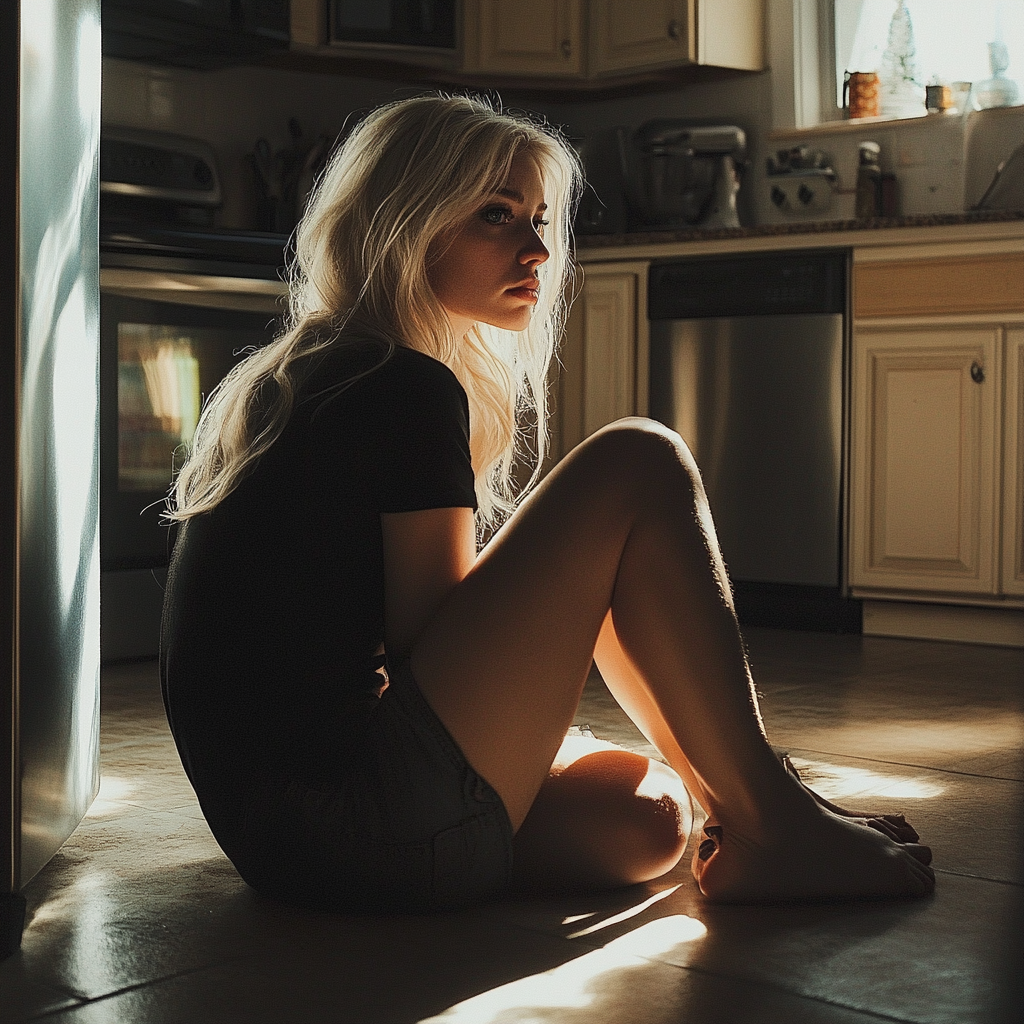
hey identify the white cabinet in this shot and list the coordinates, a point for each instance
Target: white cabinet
(604, 355)
(936, 490)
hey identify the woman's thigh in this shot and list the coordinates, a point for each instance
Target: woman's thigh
(504, 660)
(605, 817)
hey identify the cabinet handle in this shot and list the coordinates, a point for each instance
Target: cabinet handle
(566, 49)
(673, 29)
(977, 372)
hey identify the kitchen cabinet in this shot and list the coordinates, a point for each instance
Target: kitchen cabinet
(632, 37)
(618, 38)
(577, 43)
(505, 38)
(935, 506)
(1013, 464)
(604, 355)
(924, 458)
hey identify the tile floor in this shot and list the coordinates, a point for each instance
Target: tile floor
(141, 918)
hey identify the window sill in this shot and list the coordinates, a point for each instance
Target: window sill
(846, 127)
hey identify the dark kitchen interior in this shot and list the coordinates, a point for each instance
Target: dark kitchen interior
(849, 379)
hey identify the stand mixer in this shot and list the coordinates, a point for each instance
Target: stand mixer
(682, 175)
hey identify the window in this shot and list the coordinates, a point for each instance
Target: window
(951, 38)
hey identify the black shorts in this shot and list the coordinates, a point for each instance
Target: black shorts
(400, 821)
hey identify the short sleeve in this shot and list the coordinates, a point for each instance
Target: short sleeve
(419, 444)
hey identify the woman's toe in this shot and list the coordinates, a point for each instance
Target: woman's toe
(922, 854)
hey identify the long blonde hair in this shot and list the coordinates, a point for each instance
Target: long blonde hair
(409, 173)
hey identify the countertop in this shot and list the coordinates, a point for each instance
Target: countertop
(877, 231)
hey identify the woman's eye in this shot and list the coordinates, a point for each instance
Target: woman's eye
(497, 215)
(540, 225)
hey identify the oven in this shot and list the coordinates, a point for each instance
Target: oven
(179, 306)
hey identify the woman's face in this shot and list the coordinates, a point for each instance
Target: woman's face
(488, 271)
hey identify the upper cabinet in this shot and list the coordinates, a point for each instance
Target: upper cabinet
(625, 37)
(576, 44)
(505, 38)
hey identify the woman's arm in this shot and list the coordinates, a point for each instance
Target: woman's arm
(425, 555)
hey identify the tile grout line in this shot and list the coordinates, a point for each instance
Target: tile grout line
(902, 764)
(878, 1015)
(138, 986)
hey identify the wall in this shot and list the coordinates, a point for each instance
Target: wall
(232, 108)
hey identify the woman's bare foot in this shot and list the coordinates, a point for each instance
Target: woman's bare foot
(813, 854)
(895, 826)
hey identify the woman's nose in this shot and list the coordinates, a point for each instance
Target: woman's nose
(535, 251)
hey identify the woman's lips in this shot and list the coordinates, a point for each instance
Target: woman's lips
(527, 292)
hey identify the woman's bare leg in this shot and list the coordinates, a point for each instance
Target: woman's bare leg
(605, 817)
(623, 524)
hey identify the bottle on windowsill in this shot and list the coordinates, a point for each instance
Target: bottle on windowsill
(869, 182)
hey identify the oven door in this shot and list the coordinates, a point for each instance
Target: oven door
(167, 340)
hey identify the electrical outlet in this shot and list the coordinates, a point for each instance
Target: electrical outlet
(800, 193)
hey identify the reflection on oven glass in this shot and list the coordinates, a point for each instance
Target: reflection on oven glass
(158, 403)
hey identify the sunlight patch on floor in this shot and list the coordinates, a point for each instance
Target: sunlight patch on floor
(625, 915)
(977, 732)
(577, 984)
(112, 790)
(838, 782)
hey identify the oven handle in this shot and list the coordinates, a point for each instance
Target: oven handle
(195, 289)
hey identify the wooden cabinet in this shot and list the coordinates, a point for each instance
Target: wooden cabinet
(924, 458)
(1013, 464)
(580, 43)
(595, 39)
(542, 40)
(604, 354)
(936, 490)
(636, 36)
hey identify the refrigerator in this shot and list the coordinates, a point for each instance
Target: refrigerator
(49, 428)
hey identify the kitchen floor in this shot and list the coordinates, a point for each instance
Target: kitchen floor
(141, 918)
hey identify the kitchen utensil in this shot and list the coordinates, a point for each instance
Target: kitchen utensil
(1007, 189)
(263, 162)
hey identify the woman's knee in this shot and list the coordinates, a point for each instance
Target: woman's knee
(642, 451)
(639, 811)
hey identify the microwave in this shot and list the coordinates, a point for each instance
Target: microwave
(424, 23)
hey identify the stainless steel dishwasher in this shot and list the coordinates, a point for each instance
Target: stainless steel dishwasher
(747, 363)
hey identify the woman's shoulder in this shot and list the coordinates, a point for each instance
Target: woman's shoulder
(372, 364)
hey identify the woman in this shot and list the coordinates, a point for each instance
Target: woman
(328, 530)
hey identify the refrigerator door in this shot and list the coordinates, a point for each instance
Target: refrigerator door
(50, 460)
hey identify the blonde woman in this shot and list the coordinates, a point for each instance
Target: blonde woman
(372, 713)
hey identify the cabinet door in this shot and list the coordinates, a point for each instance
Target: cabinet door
(924, 459)
(604, 355)
(1013, 471)
(542, 40)
(639, 35)
(609, 349)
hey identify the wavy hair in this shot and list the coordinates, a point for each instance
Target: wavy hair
(410, 173)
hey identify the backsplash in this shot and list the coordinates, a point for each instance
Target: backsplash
(943, 163)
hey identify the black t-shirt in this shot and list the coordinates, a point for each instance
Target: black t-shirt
(274, 608)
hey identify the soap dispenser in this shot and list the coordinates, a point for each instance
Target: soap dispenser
(869, 181)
